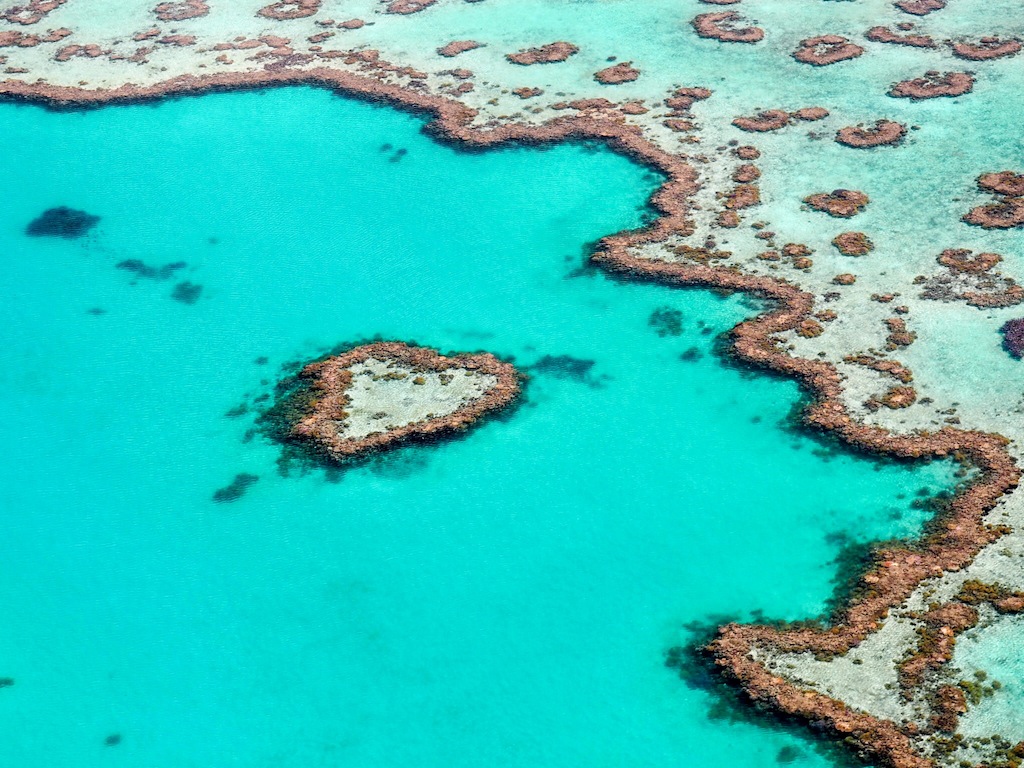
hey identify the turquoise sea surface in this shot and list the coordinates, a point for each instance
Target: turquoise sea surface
(505, 599)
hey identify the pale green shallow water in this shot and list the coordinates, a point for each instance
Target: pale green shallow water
(505, 599)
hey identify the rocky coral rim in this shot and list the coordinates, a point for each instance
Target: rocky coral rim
(957, 536)
(331, 378)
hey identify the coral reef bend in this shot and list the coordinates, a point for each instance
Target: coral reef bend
(957, 535)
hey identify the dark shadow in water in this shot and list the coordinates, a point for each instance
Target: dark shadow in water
(186, 292)
(235, 489)
(141, 269)
(666, 321)
(570, 368)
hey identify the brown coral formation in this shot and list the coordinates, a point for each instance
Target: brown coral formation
(963, 260)
(882, 365)
(810, 114)
(884, 133)
(181, 11)
(1002, 183)
(1008, 212)
(746, 173)
(986, 48)
(853, 244)
(841, 203)
(968, 279)
(1013, 337)
(940, 626)
(32, 12)
(545, 54)
(742, 196)
(289, 9)
(898, 336)
(324, 408)
(826, 49)
(920, 7)
(934, 85)
(12, 38)
(623, 72)
(407, 6)
(455, 47)
(886, 35)
(769, 120)
(727, 27)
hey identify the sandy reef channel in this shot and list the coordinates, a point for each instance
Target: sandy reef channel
(900, 350)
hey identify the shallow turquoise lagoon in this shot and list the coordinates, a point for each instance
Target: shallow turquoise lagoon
(504, 599)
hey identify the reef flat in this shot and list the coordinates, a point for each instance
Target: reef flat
(867, 331)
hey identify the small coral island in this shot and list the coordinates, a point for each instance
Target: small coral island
(376, 396)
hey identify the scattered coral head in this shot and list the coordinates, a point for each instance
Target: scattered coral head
(769, 120)
(853, 244)
(826, 49)
(933, 85)
(884, 133)
(181, 11)
(963, 260)
(986, 48)
(545, 54)
(727, 27)
(841, 203)
(623, 72)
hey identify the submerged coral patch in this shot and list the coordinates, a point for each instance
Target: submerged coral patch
(64, 222)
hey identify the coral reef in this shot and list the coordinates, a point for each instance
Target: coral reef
(182, 10)
(726, 26)
(986, 48)
(853, 244)
(841, 203)
(289, 9)
(933, 85)
(769, 120)
(1008, 212)
(1013, 337)
(886, 35)
(545, 54)
(920, 7)
(325, 402)
(623, 72)
(456, 47)
(407, 6)
(884, 133)
(32, 12)
(826, 49)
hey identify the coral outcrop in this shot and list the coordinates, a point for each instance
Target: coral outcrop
(826, 49)
(934, 85)
(727, 27)
(841, 203)
(1008, 211)
(545, 54)
(378, 395)
(883, 133)
(623, 72)
(986, 48)
(853, 244)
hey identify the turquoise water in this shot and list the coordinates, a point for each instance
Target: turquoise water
(992, 658)
(505, 599)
